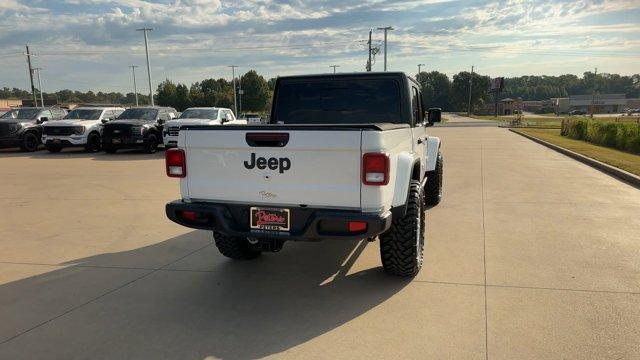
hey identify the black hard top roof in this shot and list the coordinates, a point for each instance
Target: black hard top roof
(376, 74)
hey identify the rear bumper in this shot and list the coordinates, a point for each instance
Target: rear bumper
(307, 224)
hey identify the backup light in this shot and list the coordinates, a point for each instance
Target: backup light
(175, 160)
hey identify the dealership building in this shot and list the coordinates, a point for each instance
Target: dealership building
(601, 103)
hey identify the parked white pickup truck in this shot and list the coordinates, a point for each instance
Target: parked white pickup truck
(344, 157)
(81, 127)
(197, 116)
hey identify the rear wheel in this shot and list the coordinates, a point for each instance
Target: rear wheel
(93, 143)
(30, 142)
(152, 144)
(433, 188)
(401, 247)
(235, 247)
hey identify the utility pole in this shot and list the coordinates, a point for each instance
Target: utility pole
(146, 48)
(369, 61)
(37, 70)
(386, 28)
(334, 67)
(135, 87)
(33, 88)
(470, 87)
(233, 74)
(419, 66)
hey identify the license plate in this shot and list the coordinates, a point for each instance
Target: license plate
(270, 219)
(56, 141)
(115, 141)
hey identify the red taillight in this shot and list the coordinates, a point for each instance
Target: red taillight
(375, 169)
(357, 226)
(189, 215)
(176, 164)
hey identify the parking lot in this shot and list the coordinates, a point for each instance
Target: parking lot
(530, 255)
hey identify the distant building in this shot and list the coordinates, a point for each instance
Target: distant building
(507, 106)
(539, 106)
(8, 104)
(599, 104)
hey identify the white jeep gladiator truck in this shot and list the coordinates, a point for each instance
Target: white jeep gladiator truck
(344, 156)
(197, 116)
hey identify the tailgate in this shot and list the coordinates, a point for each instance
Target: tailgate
(315, 167)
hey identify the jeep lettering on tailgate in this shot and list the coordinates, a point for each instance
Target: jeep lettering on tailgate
(280, 164)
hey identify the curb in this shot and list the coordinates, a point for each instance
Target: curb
(620, 174)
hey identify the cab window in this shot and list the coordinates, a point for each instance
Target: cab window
(416, 117)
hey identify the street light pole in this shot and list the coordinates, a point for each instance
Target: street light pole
(470, 86)
(135, 87)
(146, 48)
(334, 67)
(386, 28)
(240, 92)
(37, 70)
(419, 66)
(233, 74)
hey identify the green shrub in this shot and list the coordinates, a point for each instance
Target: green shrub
(622, 136)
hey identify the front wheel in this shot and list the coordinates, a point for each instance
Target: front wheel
(152, 144)
(235, 247)
(94, 144)
(30, 142)
(401, 247)
(433, 188)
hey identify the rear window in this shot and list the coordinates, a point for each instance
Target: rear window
(340, 101)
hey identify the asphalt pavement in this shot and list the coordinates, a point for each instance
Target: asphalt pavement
(530, 255)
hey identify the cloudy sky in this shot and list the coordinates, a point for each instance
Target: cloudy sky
(88, 44)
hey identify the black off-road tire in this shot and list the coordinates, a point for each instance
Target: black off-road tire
(53, 148)
(235, 247)
(401, 247)
(151, 145)
(94, 144)
(30, 142)
(433, 188)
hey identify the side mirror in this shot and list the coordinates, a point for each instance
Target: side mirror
(43, 119)
(106, 120)
(434, 115)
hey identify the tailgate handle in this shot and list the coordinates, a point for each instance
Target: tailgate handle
(267, 139)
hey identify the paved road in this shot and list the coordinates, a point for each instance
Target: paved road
(531, 255)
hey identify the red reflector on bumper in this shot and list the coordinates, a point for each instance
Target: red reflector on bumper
(357, 226)
(189, 215)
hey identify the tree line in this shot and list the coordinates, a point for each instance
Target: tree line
(453, 95)
(256, 93)
(438, 90)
